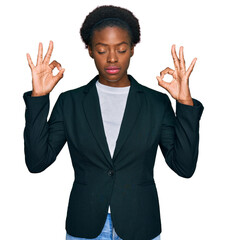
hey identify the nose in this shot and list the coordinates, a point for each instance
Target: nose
(112, 57)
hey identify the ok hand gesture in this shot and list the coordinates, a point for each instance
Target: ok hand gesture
(179, 86)
(43, 80)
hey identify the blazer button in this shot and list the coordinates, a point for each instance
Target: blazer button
(110, 172)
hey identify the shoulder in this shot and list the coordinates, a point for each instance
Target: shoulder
(79, 91)
(154, 95)
(72, 93)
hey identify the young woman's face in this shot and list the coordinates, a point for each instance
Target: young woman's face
(111, 50)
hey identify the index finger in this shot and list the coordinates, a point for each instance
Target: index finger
(175, 58)
(49, 52)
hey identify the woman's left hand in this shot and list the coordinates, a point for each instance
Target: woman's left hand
(179, 86)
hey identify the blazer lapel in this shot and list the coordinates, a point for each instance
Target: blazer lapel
(92, 111)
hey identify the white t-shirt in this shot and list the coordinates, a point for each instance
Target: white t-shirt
(112, 103)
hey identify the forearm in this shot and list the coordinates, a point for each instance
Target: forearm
(42, 140)
(180, 140)
(37, 152)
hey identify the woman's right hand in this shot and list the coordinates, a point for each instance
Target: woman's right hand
(43, 80)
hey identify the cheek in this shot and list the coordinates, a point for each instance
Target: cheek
(126, 60)
(99, 62)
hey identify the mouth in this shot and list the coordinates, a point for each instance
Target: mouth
(112, 70)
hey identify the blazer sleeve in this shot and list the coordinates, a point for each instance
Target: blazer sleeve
(43, 139)
(179, 139)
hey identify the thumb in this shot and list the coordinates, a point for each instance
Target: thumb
(162, 83)
(59, 75)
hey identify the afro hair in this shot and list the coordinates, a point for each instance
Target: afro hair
(108, 15)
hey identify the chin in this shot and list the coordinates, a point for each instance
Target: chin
(112, 77)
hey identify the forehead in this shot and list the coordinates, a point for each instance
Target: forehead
(110, 36)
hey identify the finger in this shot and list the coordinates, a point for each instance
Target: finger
(55, 64)
(191, 67)
(162, 83)
(165, 71)
(175, 58)
(182, 61)
(30, 63)
(59, 75)
(49, 52)
(40, 54)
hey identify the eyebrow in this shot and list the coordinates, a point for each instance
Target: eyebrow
(99, 43)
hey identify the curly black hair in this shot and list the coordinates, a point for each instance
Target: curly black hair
(109, 15)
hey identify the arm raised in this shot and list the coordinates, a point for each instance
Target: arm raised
(43, 80)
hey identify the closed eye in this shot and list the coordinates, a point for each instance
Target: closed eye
(123, 51)
(101, 52)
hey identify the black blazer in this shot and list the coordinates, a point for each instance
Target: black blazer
(126, 180)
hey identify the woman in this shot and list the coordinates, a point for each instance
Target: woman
(113, 126)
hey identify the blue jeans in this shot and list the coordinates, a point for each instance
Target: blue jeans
(108, 233)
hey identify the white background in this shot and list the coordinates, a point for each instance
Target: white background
(33, 206)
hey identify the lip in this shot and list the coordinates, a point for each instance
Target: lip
(112, 70)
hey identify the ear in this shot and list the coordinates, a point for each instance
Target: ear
(132, 51)
(90, 51)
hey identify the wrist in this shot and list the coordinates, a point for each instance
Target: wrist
(33, 94)
(186, 101)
